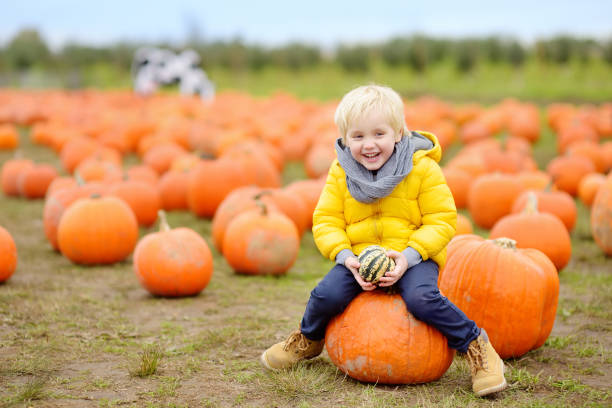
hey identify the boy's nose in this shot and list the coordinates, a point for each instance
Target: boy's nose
(368, 142)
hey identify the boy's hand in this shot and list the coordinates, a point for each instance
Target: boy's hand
(396, 273)
(352, 264)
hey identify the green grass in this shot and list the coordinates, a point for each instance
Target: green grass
(488, 83)
(147, 362)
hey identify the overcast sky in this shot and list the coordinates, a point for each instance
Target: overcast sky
(325, 23)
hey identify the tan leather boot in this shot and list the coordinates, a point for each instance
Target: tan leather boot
(286, 353)
(486, 367)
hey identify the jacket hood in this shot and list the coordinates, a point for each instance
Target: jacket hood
(423, 141)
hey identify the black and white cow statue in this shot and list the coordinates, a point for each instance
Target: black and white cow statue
(153, 67)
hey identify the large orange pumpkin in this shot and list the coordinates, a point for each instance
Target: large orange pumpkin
(377, 340)
(8, 255)
(97, 230)
(173, 262)
(512, 293)
(57, 203)
(601, 216)
(540, 230)
(261, 242)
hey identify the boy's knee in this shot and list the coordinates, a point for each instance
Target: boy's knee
(329, 300)
(420, 301)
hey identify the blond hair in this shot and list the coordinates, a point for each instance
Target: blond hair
(366, 98)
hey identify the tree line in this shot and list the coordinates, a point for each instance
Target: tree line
(28, 49)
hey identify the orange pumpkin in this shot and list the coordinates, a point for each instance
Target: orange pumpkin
(94, 169)
(591, 151)
(9, 138)
(534, 179)
(11, 170)
(173, 262)
(491, 197)
(210, 182)
(76, 150)
(57, 202)
(161, 156)
(290, 205)
(377, 340)
(261, 242)
(34, 181)
(143, 199)
(8, 255)
(172, 189)
(510, 292)
(309, 192)
(318, 159)
(575, 130)
(97, 230)
(60, 183)
(567, 171)
(606, 149)
(474, 131)
(558, 203)
(588, 186)
(540, 230)
(238, 201)
(525, 124)
(459, 182)
(144, 173)
(464, 225)
(601, 217)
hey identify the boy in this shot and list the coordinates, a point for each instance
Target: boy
(386, 188)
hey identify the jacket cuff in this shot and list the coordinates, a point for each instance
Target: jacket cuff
(342, 255)
(412, 257)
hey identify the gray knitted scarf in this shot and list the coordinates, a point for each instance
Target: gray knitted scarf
(366, 186)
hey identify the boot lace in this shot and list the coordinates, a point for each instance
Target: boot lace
(476, 356)
(299, 338)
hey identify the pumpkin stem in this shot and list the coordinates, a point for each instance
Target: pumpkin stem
(261, 194)
(532, 203)
(79, 179)
(549, 186)
(163, 221)
(262, 206)
(505, 243)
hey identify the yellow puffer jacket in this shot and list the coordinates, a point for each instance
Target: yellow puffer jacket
(420, 212)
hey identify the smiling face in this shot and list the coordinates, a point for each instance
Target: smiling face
(371, 139)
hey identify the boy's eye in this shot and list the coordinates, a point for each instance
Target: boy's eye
(356, 136)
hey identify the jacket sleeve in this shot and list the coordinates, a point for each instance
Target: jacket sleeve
(328, 223)
(438, 213)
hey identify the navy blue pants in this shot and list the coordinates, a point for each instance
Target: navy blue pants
(419, 289)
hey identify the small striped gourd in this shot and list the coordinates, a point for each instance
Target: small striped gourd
(374, 263)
